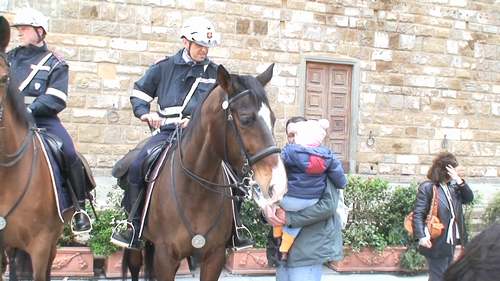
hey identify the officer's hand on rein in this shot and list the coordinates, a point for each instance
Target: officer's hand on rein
(153, 119)
(184, 122)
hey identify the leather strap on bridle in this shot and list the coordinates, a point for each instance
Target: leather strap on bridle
(10, 160)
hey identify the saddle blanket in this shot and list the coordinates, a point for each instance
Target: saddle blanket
(63, 200)
(151, 184)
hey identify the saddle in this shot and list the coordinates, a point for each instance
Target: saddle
(54, 145)
(120, 169)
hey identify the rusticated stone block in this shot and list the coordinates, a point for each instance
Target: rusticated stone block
(243, 26)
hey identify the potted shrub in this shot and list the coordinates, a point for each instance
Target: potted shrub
(73, 257)
(492, 211)
(99, 241)
(251, 261)
(374, 236)
(100, 244)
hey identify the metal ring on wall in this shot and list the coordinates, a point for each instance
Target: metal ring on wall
(371, 140)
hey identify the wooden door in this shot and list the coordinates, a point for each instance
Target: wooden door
(328, 95)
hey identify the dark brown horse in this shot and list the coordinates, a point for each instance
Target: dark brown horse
(233, 124)
(27, 200)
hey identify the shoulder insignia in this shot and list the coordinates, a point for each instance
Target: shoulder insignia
(58, 55)
(161, 59)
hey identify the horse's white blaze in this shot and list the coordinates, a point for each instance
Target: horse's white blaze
(265, 113)
(278, 181)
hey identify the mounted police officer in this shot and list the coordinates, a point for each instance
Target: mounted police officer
(179, 83)
(41, 78)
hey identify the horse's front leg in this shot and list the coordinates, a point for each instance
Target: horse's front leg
(165, 265)
(211, 264)
(40, 256)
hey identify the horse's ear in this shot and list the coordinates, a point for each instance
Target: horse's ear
(223, 78)
(4, 33)
(266, 76)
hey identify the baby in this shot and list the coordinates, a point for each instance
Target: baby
(308, 165)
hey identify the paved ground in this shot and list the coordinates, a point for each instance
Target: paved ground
(329, 275)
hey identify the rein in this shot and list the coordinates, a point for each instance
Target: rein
(10, 160)
(28, 183)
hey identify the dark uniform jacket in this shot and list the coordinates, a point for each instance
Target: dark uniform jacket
(460, 195)
(46, 93)
(170, 80)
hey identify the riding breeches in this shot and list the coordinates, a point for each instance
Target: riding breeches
(54, 126)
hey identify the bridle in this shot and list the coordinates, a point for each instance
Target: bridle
(244, 179)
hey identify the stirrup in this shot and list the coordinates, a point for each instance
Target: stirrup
(83, 212)
(237, 235)
(116, 229)
(237, 228)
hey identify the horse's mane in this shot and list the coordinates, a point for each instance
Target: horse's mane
(241, 83)
(19, 108)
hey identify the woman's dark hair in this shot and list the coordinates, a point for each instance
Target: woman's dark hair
(480, 259)
(438, 173)
(294, 119)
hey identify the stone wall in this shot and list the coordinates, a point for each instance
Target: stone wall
(427, 69)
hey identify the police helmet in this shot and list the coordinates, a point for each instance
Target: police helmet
(31, 17)
(200, 31)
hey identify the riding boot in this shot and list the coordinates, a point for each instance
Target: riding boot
(239, 241)
(126, 234)
(81, 221)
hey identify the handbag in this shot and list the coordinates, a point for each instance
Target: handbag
(342, 211)
(432, 221)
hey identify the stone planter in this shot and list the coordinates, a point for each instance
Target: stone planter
(249, 262)
(73, 261)
(368, 260)
(113, 266)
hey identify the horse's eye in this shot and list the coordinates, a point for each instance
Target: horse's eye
(247, 120)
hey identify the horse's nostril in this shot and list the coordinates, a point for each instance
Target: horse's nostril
(271, 190)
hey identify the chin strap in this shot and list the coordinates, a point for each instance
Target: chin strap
(40, 38)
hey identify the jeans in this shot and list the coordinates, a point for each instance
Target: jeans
(300, 273)
(437, 267)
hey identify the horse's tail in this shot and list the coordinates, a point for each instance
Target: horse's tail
(132, 260)
(126, 254)
(149, 252)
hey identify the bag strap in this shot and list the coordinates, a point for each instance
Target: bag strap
(435, 200)
(433, 210)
